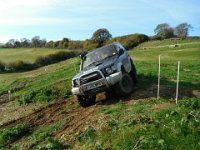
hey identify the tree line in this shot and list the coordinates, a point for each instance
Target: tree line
(102, 36)
(99, 38)
(164, 31)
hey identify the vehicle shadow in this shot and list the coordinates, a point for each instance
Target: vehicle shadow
(147, 88)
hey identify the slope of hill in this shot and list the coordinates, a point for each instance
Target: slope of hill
(167, 42)
(137, 122)
(25, 54)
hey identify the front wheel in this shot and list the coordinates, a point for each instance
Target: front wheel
(86, 100)
(125, 85)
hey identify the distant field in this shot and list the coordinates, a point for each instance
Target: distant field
(167, 42)
(25, 54)
(181, 53)
(146, 61)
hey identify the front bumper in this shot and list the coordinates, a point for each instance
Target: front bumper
(97, 86)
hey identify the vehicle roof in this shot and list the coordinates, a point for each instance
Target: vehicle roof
(108, 45)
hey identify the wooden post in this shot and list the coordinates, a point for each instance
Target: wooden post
(177, 82)
(158, 91)
(9, 92)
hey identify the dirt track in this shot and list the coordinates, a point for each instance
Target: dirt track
(79, 117)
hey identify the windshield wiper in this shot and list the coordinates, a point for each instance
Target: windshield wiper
(96, 63)
(109, 56)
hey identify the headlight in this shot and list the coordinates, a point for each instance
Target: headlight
(111, 69)
(76, 82)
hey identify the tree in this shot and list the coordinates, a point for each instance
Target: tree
(101, 36)
(164, 31)
(17, 44)
(43, 42)
(182, 30)
(49, 44)
(10, 43)
(35, 42)
(55, 44)
(25, 42)
(63, 43)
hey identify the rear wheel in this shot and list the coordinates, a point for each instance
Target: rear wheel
(125, 85)
(133, 73)
(86, 100)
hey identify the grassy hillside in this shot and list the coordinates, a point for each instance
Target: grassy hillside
(26, 54)
(137, 122)
(167, 42)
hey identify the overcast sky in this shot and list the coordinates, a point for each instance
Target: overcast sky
(78, 19)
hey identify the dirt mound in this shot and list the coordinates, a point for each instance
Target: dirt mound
(45, 115)
(4, 98)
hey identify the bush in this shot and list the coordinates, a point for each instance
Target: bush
(130, 41)
(155, 37)
(88, 134)
(2, 66)
(44, 94)
(89, 45)
(53, 58)
(20, 65)
(193, 103)
(12, 134)
(42, 61)
(16, 65)
(75, 45)
(52, 144)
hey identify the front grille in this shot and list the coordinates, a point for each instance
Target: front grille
(90, 77)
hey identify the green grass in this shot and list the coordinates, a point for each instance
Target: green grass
(167, 42)
(170, 127)
(154, 124)
(43, 135)
(26, 54)
(149, 124)
(147, 65)
(57, 77)
(12, 134)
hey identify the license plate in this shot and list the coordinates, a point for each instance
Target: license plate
(94, 85)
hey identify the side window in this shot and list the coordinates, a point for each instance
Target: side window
(121, 47)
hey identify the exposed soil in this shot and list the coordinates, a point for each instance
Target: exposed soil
(4, 99)
(162, 106)
(79, 117)
(42, 116)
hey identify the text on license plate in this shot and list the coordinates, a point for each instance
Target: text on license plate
(94, 85)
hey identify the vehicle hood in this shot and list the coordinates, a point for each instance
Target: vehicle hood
(105, 63)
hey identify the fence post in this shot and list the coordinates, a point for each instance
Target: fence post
(9, 92)
(158, 91)
(177, 82)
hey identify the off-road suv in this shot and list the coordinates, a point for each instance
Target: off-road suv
(106, 68)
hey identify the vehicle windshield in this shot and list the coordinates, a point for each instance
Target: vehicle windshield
(99, 55)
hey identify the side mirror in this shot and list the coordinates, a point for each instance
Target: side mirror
(82, 56)
(121, 51)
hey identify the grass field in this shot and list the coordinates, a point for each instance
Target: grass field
(25, 54)
(189, 55)
(137, 122)
(167, 42)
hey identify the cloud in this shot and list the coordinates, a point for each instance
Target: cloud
(80, 18)
(15, 12)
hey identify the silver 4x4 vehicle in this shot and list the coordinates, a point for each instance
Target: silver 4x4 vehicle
(108, 68)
